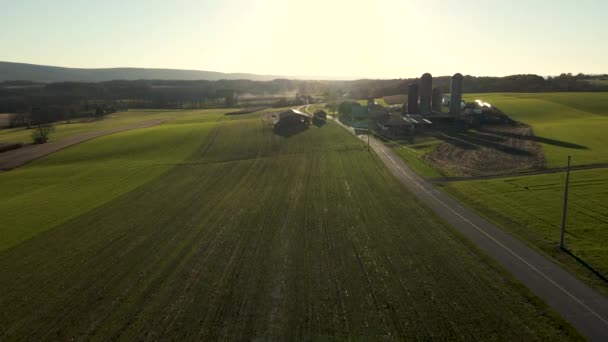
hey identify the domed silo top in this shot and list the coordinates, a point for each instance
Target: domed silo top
(458, 76)
(426, 75)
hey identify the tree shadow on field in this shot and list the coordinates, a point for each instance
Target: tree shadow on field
(289, 130)
(489, 136)
(536, 138)
(456, 141)
(482, 140)
(468, 140)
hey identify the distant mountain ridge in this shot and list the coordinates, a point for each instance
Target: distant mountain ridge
(10, 71)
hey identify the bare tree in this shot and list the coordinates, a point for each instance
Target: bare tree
(42, 133)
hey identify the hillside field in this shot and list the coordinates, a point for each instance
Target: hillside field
(564, 123)
(85, 125)
(210, 227)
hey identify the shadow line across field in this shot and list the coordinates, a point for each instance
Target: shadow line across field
(586, 265)
(536, 138)
(473, 141)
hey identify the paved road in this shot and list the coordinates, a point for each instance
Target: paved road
(582, 306)
(15, 158)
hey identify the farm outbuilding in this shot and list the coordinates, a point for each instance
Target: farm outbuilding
(376, 111)
(292, 117)
(394, 125)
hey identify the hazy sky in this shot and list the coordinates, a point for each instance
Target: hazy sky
(381, 38)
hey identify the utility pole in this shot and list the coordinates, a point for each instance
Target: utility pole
(368, 133)
(561, 239)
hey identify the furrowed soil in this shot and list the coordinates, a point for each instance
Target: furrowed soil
(490, 149)
(261, 236)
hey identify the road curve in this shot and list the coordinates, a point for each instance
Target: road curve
(582, 306)
(15, 158)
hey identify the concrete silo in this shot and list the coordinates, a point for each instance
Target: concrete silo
(426, 90)
(437, 99)
(412, 98)
(456, 94)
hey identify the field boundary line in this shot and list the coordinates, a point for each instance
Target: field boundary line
(16, 158)
(583, 167)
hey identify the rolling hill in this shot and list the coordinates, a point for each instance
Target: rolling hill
(42, 73)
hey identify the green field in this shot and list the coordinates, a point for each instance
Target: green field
(208, 228)
(413, 153)
(531, 207)
(53, 190)
(564, 123)
(63, 130)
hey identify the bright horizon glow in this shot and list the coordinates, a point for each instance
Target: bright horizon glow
(332, 38)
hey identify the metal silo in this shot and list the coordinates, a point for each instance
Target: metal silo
(437, 99)
(426, 90)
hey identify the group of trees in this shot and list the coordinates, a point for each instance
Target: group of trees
(19, 96)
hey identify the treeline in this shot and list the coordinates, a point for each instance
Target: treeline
(73, 99)
(474, 84)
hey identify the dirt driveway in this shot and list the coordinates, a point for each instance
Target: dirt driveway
(15, 158)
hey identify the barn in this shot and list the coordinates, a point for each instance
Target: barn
(393, 126)
(291, 118)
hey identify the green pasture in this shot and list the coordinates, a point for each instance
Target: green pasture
(225, 230)
(79, 126)
(414, 153)
(564, 123)
(61, 186)
(531, 207)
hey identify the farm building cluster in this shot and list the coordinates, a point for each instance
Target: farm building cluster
(423, 110)
(292, 121)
